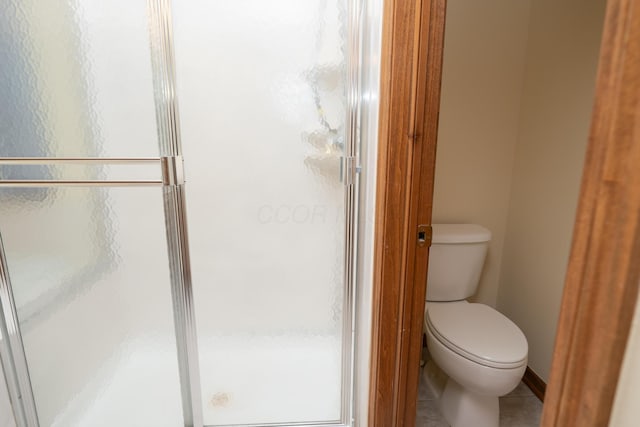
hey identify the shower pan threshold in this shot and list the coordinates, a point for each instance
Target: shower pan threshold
(304, 370)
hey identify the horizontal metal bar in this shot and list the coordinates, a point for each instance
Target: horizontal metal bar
(78, 160)
(80, 183)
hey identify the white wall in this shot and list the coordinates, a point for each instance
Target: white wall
(555, 115)
(518, 83)
(626, 410)
(484, 58)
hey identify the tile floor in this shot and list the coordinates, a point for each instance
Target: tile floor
(520, 408)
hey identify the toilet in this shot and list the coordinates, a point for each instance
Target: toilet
(476, 353)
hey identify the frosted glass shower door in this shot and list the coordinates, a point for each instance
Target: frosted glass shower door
(94, 305)
(113, 315)
(263, 100)
(89, 287)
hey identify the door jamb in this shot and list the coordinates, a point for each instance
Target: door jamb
(413, 37)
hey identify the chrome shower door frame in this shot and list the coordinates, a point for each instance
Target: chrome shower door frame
(170, 163)
(12, 356)
(167, 115)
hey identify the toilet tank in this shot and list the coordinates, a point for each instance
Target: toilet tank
(456, 259)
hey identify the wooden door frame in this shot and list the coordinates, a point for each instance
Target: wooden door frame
(601, 287)
(603, 275)
(412, 46)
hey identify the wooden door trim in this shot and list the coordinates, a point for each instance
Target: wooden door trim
(412, 45)
(601, 287)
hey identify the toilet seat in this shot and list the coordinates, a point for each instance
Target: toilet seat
(478, 333)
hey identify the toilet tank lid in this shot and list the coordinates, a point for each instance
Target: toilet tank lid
(460, 233)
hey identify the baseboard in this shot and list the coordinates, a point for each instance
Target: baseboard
(535, 383)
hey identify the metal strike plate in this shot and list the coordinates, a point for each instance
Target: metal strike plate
(425, 233)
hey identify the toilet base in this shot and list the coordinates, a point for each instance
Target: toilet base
(434, 378)
(463, 408)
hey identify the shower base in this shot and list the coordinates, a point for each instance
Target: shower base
(257, 380)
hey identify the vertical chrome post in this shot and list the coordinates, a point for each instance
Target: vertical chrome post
(352, 123)
(12, 353)
(182, 293)
(168, 124)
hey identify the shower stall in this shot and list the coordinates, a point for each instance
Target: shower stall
(199, 263)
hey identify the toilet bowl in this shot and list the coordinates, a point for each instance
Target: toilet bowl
(483, 354)
(477, 353)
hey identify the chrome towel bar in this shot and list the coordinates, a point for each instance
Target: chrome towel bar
(170, 167)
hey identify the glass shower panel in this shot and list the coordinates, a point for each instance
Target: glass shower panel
(262, 99)
(90, 278)
(75, 80)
